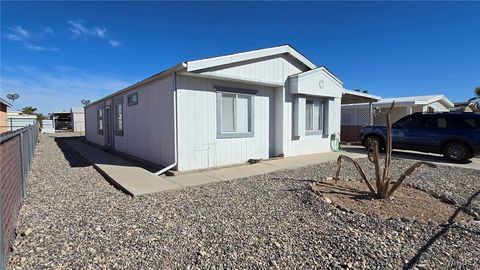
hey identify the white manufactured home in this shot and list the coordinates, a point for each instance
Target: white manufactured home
(221, 111)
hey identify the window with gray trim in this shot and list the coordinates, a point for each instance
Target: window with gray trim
(132, 99)
(234, 115)
(119, 117)
(100, 121)
(314, 115)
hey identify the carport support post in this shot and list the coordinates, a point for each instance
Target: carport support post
(370, 112)
(409, 110)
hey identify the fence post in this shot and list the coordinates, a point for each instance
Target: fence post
(3, 261)
(22, 164)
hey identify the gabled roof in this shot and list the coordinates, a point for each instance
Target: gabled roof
(316, 70)
(416, 100)
(5, 102)
(194, 65)
(249, 55)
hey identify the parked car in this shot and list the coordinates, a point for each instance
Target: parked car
(456, 135)
(63, 122)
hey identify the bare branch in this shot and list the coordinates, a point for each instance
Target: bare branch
(388, 146)
(359, 169)
(407, 173)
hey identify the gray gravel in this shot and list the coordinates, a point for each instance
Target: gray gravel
(79, 221)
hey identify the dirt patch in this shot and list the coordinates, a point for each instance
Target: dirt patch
(406, 202)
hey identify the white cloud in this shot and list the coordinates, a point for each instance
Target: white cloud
(24, 37)
(79, 30)
(39, 48)
(57, 88)
(48, 30)
(115, 43)
(17, 33)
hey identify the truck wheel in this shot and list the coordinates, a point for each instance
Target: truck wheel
(368, 143)
(456, 152)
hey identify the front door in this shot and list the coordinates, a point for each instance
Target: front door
(108, 126)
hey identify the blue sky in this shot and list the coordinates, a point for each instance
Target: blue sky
(54, 54)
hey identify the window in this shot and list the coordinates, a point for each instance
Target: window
(235, 115)
(314, 116)
(100, 121)
(132, 99)
(119, 117)
(464, 123)
(434, 122)
(408, 122)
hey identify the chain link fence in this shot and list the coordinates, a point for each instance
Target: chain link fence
(16, 153)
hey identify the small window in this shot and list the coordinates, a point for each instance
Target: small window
(314, 115)
(433, 122)
(132, 99)
(100, 121)
(464, 123)
(442, 122)
(119, 117)
(409, 122)
(235, 115)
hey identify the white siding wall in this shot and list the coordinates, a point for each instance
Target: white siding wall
(91, 126)
(437, 106)
(78, 122)
(198, 146)
(271, 69)
(149, 125)
(310, 144)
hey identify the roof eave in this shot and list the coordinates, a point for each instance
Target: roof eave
(245, 56)
(160, 75)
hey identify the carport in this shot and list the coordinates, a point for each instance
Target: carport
(353, 117)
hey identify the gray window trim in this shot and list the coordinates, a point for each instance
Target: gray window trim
(100, 130)
(119, 101)
(132, 103)
(322, 109)
(235, 91)
(314, 132)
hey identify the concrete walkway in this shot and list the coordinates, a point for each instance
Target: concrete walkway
(137, 181)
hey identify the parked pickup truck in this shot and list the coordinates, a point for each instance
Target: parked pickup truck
(456, 135)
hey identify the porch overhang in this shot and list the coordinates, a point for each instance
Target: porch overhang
(355, 97)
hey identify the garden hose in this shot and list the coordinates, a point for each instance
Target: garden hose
(335, 142)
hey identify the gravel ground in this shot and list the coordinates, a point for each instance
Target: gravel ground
(73, 219)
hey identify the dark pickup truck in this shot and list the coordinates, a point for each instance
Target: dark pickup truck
(456, 135)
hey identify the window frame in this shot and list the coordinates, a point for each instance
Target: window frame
(321, 124)
(119, 102)
(100, 122)
(251, 101)
(131, 95)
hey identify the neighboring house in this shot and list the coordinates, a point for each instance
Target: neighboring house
(354, 116)
(3, 115)
(78, 119)
(17, 120)
(222, 110)
(62, 121)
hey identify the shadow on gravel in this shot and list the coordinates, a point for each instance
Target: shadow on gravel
(406, 155)
(73, 158)
(451, 222)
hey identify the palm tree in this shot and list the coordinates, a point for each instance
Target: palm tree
(29, 110)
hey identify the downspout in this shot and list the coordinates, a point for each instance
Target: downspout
(175, 136)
